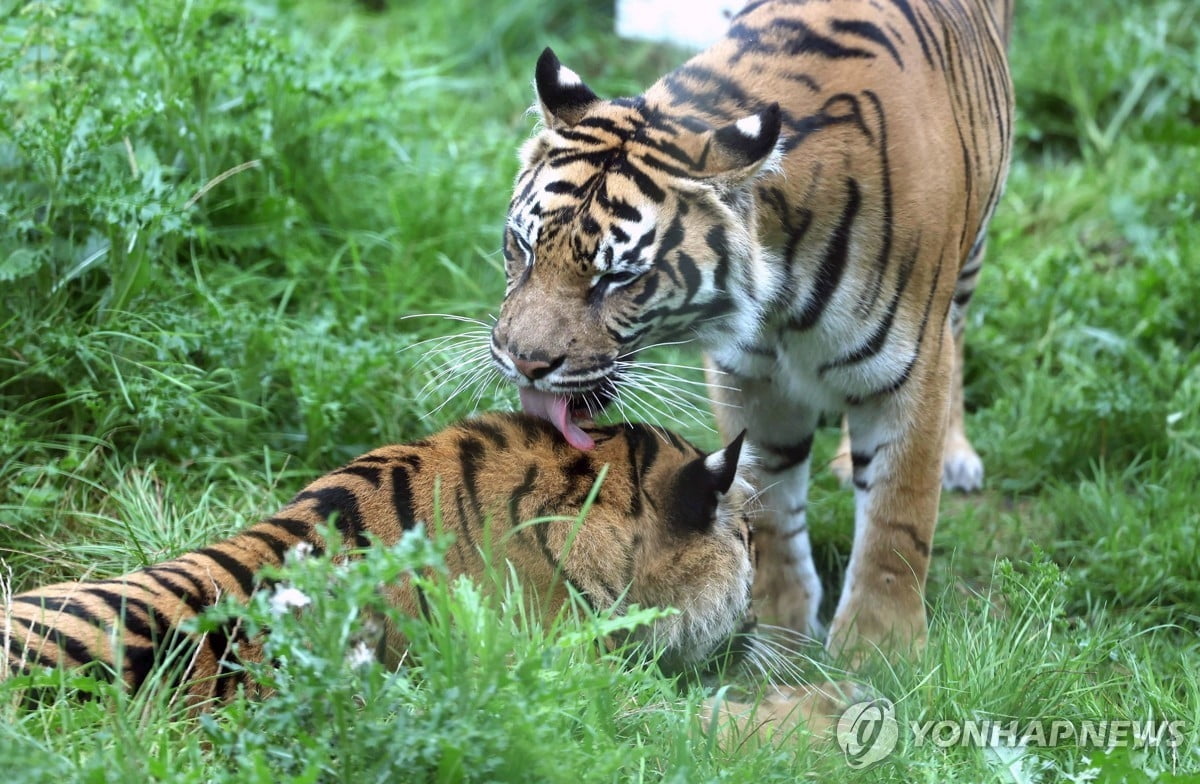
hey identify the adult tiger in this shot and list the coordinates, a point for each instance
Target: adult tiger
(667, 528)
(808, 199)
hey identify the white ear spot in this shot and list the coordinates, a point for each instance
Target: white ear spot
(567, 77)
(750, 126)
(715, 463)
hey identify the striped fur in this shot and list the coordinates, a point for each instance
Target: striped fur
(665, 530)
(808, 200)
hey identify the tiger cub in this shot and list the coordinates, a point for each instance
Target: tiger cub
(808, 201)
(666, 529)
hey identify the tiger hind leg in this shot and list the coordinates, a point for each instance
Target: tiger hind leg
(897, 459)
(962, 468)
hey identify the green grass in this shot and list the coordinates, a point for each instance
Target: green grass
(215, 217)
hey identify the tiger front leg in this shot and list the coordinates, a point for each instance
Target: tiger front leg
(787, 589)
(896, 454)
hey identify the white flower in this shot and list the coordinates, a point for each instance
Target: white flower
(301, 551)
(360, 655)
(286, 598)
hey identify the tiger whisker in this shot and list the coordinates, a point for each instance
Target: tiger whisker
(469, 381)
(656, 371)
(657, 345)
(780, 664)
(452, 317)
(443, 374)
(665, 395)
(471, 335)
(630, 412)
(686, 399)
(672, 380)
(456, 358)
(785, 631)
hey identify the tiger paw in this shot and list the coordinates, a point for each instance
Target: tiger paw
(786, 592)
(879, 625)
(781, 713)
(962, 469)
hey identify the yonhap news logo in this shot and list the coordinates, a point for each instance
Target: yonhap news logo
(867, 732)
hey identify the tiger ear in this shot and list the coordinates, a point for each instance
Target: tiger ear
(739, 150)
(694, 494)
(721, 466)
(562, 95)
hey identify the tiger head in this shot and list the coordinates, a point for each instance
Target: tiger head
(693, 550)
(629, 226)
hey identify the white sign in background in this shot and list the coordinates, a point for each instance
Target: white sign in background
(694, 24)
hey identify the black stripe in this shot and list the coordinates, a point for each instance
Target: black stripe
(690, 272)
(878, 337)
(20, 651)
(301, 529)
(633, 436)
(643, 181)
(422, 602)
(920, 544)
(242, 574)
(65, 605)
(195, 603)
(807, 41)
(602, 123)
(887, 219)
(221, 648)
(581, 476)
(345, 503)
(518, 495)
(906, 9)
(634, 254)
(833, 265)
(372, 459)
(672, 238)
(649, 284)
(199, 589)
(788, 456)
(488, 430)
(139, 661)
(73, 647)
(121, 604)
(470, 453)
(277, 546)
(714, 87)
(573, 135)
(860, 460)
(402, 498)
(370, 473)
(659, 164)
(718, 243)
(870, 31)
(902, 379)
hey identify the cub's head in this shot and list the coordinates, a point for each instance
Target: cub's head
(629, 225)
(692, 549)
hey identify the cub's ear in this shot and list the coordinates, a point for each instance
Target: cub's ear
(697, 488)
(722, 465)
(562, 95)
(737, 151)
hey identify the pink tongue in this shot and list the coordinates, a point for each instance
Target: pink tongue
(554, 409)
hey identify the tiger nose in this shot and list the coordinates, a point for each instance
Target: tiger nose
(533, 369)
